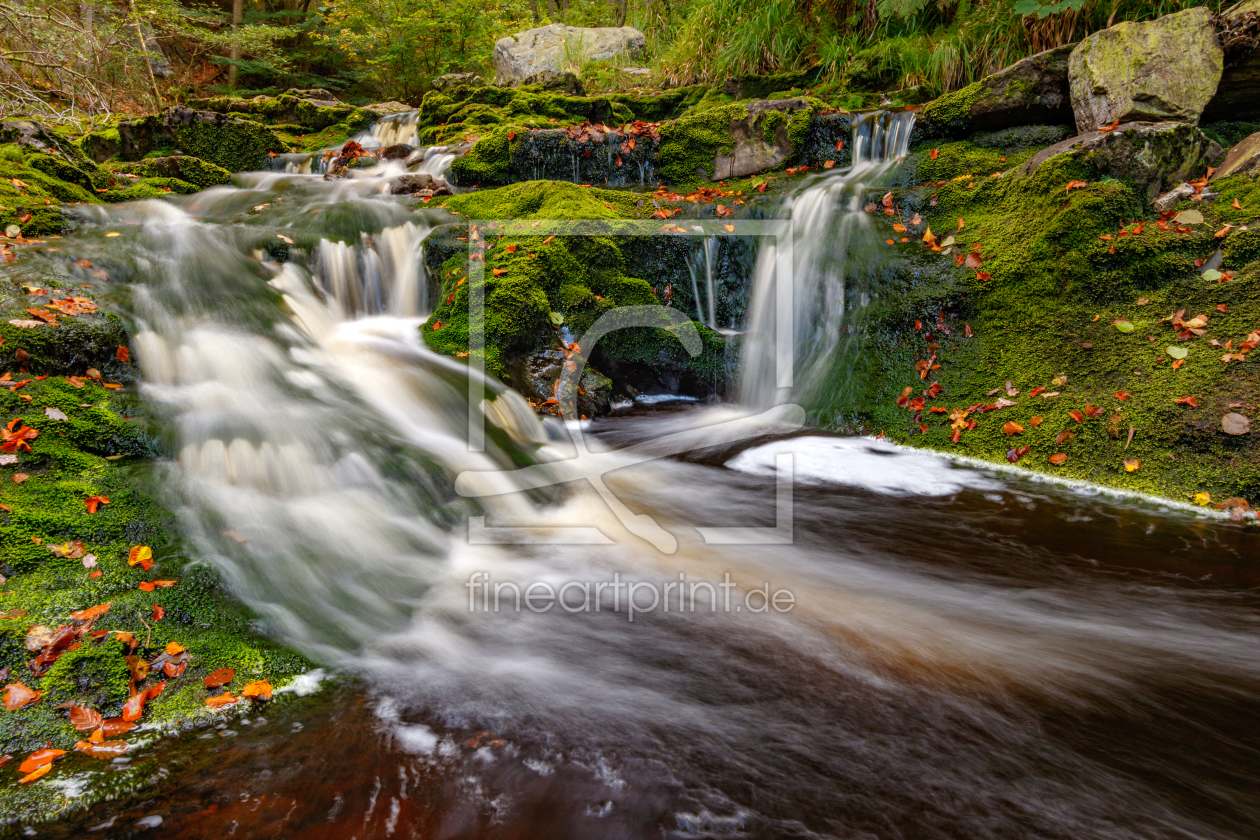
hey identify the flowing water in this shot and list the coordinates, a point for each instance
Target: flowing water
(927, 650)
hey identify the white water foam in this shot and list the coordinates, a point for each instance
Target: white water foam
(869, 463)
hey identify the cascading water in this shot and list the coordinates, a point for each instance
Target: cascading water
(828, 225)
(967, 656)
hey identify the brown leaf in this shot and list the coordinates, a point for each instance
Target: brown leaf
(84, 719)
(1058, 459)
(17, 695)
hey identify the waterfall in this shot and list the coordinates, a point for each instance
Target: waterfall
(390, 130)
(381, 275)
(827, 224)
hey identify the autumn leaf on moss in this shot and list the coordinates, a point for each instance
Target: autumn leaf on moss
(1190, 401)
(219, 678)
(1132, 466)
(140, 555)
(260, 690)
(221, 700)
(17, 695)
(40, 758)
(1058, 459)
(93, 502)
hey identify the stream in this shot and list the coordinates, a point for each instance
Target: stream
(934, 650)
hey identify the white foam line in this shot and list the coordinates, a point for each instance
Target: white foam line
(1071, 483)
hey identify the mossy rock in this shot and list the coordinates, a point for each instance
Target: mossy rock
(236, 145)
(547, 287)
(1058, 276)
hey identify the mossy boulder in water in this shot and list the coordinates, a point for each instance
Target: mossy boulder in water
(234, 144)
(1160, 70)
(1033, 91)
(187, 168)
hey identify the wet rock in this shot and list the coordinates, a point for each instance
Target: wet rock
(398, 151)
(1172, 198)
(567, 83)
(538, 375)
(319, 94)
(390, 107)
(234, 144)
(1033, 91)
(1163, 70)
(423, 184)
(1243, 159)
(1155, 156)
(556, 46)
(454, 79)
(1235, 424)
(636, 71)
(760, 143)
(1238, 95)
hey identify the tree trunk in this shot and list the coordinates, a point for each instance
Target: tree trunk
(621, 17)
(533, 11)
(238, 12)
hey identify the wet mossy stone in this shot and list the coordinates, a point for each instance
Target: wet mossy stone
(313, 114)
(761, 87)
(1033, 91)
(1154, 157)
(237, 145)
(95, 675)
(185, 168)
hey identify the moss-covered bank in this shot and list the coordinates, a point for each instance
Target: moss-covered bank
(60, 553)
(1075, 292)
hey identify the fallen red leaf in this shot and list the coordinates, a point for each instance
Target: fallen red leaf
(221, 677)
(159, 612)
(1190, 401)
(93, 502)
(40, 758)
(84, 719)
(1058, 458)
(134, 708)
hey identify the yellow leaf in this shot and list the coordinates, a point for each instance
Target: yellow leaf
(1202, 498)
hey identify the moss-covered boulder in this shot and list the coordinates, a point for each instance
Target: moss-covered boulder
(1033, 91)
(542, 292)
(1153, 157)
(186, 168)
(1165, 69)
(234, 144)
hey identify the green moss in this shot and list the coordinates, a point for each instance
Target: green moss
(690, 144)
(489, 161)
(950, 115)
(185, 168)
(237, 146)
(578, 278)
(94, 675)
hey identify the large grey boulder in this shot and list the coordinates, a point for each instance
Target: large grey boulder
(1243, 159)
(1033, 91)
(1164, 69)
(1154, 156)
(557, 47)
(756, 148)
(1238, 95)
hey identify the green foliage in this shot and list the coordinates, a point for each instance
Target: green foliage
(396, 47)
(944, 44)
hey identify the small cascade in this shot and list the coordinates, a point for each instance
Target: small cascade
(390, 130)
(829, 228)
(702, 264)
(381, 275)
